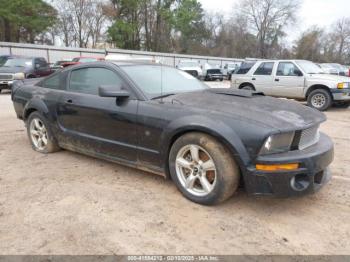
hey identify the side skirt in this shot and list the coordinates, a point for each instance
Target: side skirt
(137, 165)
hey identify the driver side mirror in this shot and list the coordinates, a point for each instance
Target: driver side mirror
(113, 91)
(298, 72)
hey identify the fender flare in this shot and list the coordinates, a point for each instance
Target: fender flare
(35, 104)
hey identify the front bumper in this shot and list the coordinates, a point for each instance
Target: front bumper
(341, 94)
(310, 177)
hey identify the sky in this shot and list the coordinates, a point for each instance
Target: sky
(313, 12)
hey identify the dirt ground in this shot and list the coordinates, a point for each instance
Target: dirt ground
(66, 203)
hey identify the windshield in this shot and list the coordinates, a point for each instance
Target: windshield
(309, 67)
(18, 62)
(156, 80)
(188, 64)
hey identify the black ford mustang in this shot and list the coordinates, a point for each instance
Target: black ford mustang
(163, 120)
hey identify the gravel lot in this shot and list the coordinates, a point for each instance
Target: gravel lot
(66, 203)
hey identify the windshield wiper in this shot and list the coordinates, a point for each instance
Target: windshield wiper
(162, 96)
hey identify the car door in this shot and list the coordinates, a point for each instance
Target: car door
(262, 78)
(289, 81)
(101, 126)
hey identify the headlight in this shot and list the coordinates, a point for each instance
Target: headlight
(278, 143)
(19, 76)
(343, 85)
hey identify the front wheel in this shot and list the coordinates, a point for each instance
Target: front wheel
(320, 99)
(203, 169)
(40, 134)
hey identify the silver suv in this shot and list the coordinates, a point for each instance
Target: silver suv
(297, 79)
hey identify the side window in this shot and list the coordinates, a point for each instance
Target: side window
(53, 82)
(88, 80)
(288, 69)
(265, 69)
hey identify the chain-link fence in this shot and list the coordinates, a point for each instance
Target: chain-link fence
(53, 54)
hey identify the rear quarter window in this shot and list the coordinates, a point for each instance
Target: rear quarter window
(53, 82)
(245, 68)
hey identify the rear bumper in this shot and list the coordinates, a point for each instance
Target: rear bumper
(212, 77)
(310, 177)
(341, 94)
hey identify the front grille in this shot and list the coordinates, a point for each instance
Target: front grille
(6, 77)
(309, 137)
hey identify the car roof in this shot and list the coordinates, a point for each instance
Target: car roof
(115, 63)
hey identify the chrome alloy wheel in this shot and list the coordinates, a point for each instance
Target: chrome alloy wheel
(196, 170)
(318, 100)
(38, 134)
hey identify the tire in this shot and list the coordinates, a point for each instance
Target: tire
(320, 99)
(229, 77)
(221, 79)
(248, 87)
(38, 129)
(212, 177)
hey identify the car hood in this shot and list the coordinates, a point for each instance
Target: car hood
(12, 70)
(325, 77)
(281, 114)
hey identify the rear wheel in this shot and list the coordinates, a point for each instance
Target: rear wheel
(40, 134)
(320, 99)
(203, 169)
(248, 87)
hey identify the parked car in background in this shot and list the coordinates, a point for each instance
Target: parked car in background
(206, 140)
(17, 67)
(81, 60)
(297, 79)
(328, 69)
(229, 69)
(212, 72)
(336, 69)
(3, 59)
(58, 65)
(192, 67)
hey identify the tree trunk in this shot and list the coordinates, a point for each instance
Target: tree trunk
(7, 30)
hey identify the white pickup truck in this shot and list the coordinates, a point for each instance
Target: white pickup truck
(297, 79)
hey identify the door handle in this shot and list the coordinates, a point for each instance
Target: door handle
(277, 80)
(253, 78)
(69, 101)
